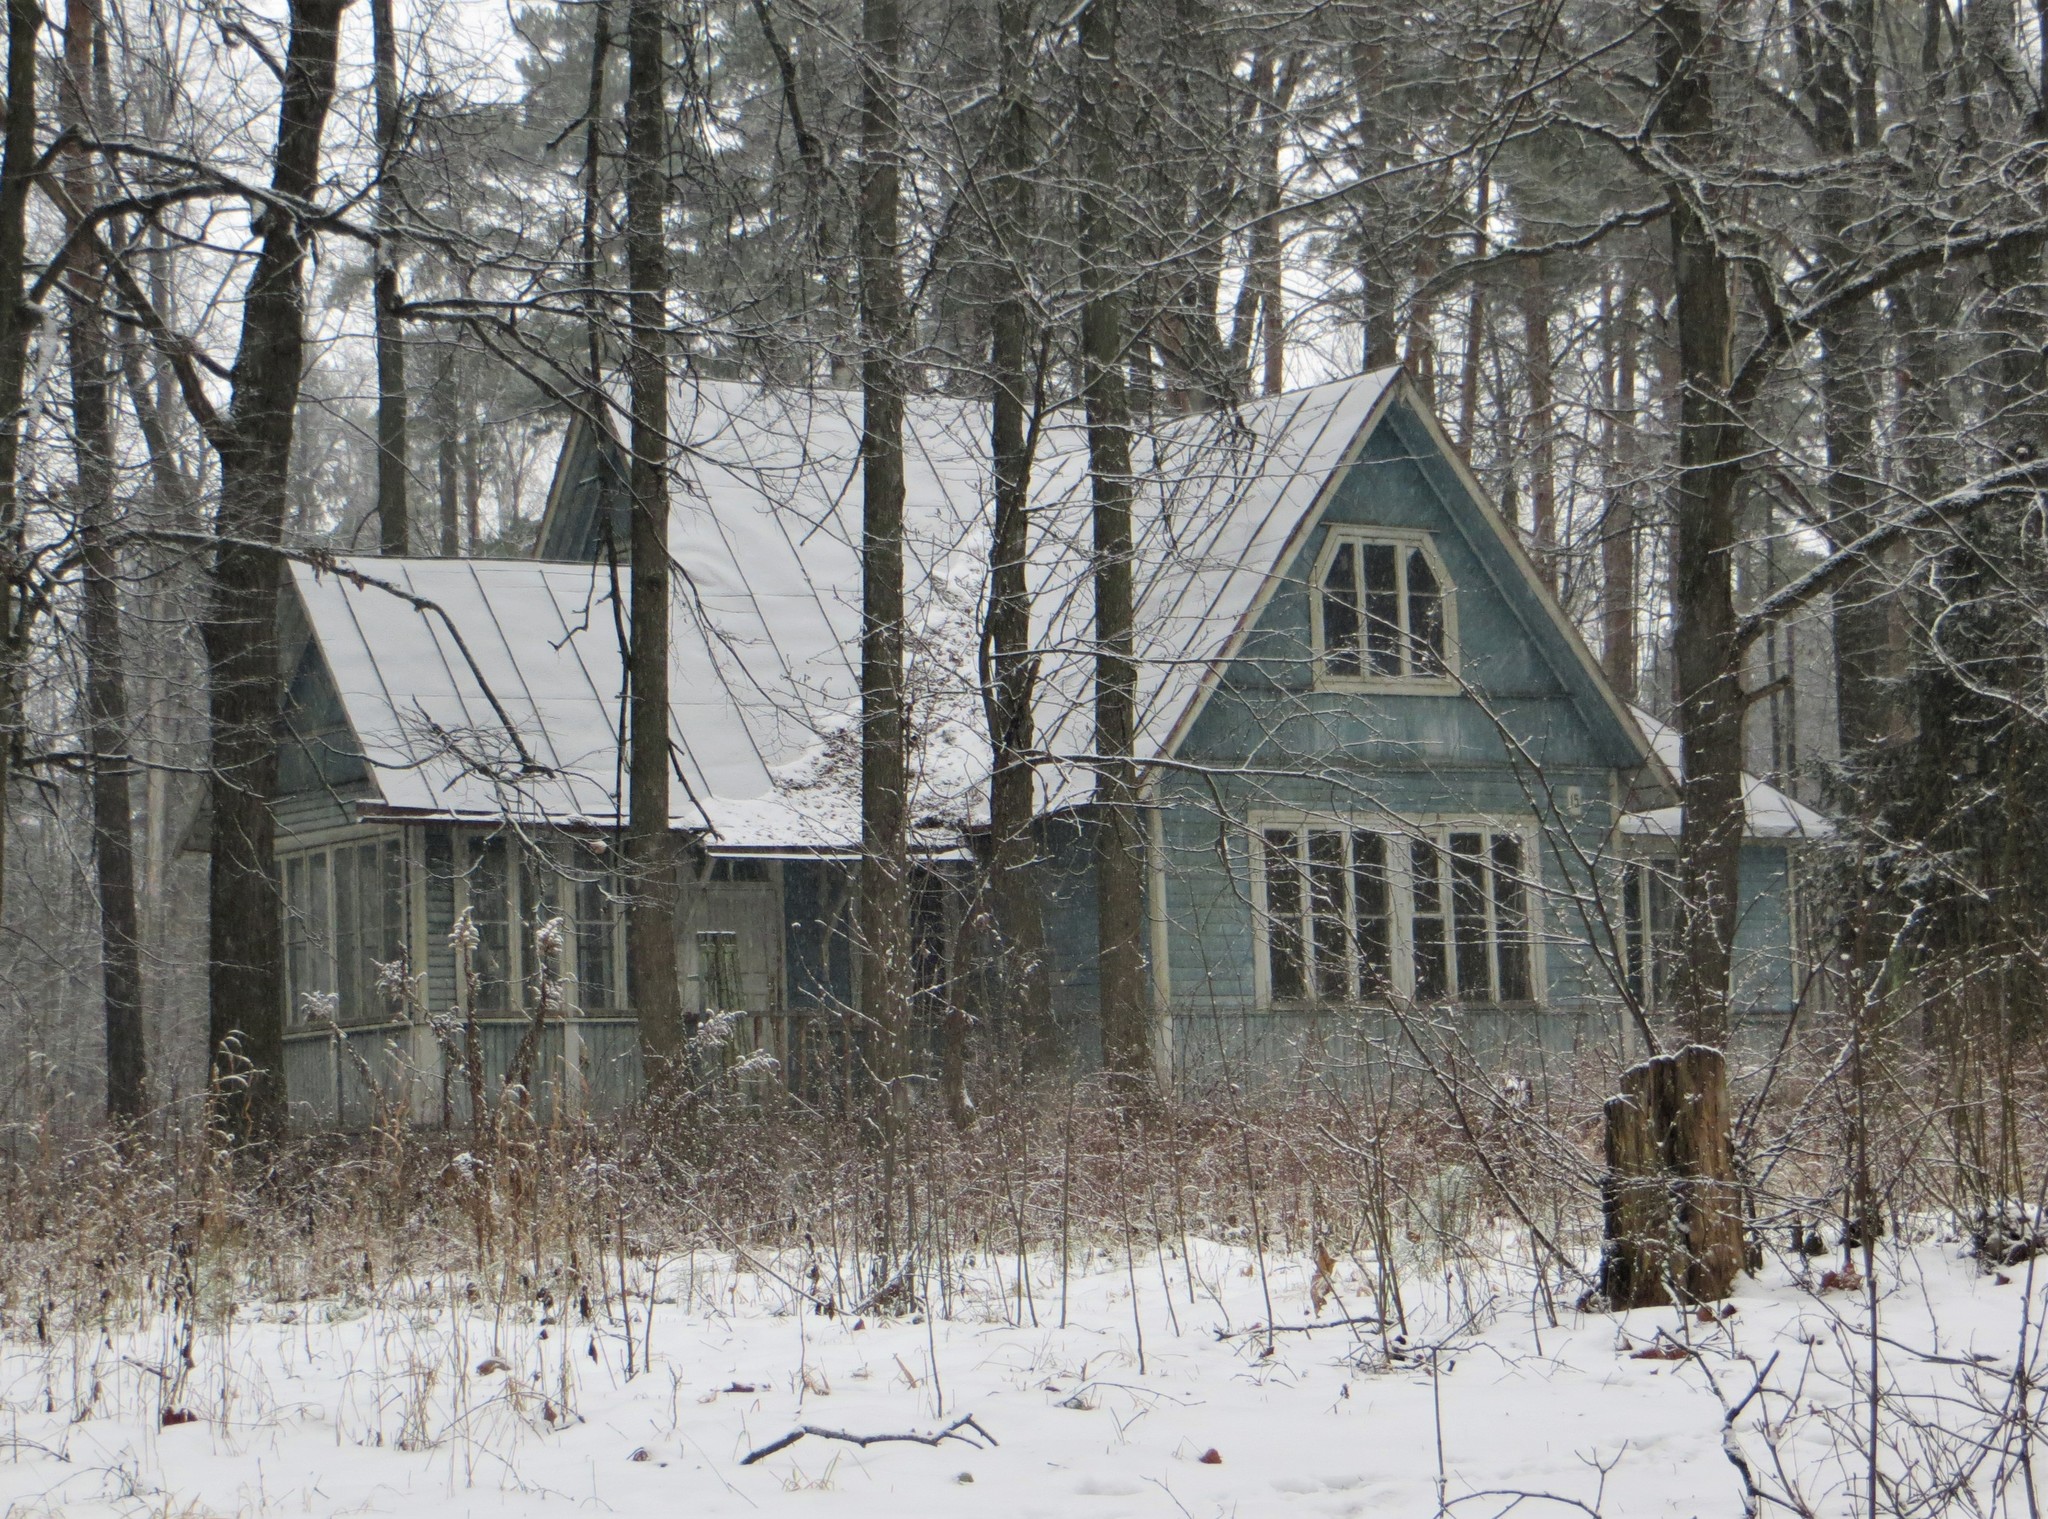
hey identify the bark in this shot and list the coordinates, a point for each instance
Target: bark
(593, 144)
(1618, 649)
(1020, 930)
(106, 693)
(1542, 420)
(884, 866)
(448, 452)
(1376, 289)
(1475, 325)
(653, 981)
(1673, 1212)
(1707, 655)
(1835, 40)
(17, 178)
(1127, 1036)
(394, 530)
(245, 1026)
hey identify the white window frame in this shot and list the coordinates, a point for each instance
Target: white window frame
(1411, 682)
(300, 937)
(521, 859)
(1400, 834)
(1641, 960)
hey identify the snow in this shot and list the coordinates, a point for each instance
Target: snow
(1768, 812)
(412, 1398)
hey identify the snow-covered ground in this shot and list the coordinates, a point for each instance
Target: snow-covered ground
(419, 1398)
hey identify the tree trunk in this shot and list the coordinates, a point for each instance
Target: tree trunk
(1618, 650)
(1837, 46)
(106, 692)
(448, 451)
(1475, 323)
(1673, 1214)
(1127, 1041)
(393, 523)
(884, 865)
(245, 1023)
(17, 169)
(1542, 397)
(651, 865)
(1709, 705)
(593, 144)
(1020, 930)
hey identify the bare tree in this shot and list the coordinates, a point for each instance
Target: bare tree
(106, 696)
(393, 521)
(1127, 1043)
(884, 862)
(650, 848)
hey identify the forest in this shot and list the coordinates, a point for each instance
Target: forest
(1056, 741)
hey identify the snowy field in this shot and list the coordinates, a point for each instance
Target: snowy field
(1160, 1397)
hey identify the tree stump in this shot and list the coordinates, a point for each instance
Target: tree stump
(1674, 1218)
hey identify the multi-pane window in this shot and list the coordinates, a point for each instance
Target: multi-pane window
(1359, 914)
(344, 924)
(1382, 613)
(1649, 914)
(513, 889)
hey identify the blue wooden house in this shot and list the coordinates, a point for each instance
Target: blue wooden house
(1382, 770)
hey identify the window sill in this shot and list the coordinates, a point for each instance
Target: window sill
(1303, 1005)
(1389, 685)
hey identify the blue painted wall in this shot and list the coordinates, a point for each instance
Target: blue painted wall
(1530, 727)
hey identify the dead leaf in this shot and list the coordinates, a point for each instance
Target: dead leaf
(489, 1365)
(1668, 1350)
(1211, 1457)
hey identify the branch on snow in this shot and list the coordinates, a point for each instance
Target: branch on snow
(910, 1437)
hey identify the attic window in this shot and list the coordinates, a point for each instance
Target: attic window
(1382, 611)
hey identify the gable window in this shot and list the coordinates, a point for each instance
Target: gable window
(1352, 914)
(344, 923)
(1382, 611)
(1649, 916)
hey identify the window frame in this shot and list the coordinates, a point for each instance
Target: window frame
(1410, 681)
(1400, 835)
(298, 870)
(525, 859)
(1648, 947)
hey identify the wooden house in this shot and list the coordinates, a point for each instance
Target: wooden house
(1382, 770)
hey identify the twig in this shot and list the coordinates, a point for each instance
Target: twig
(1345, 1322)
(912, 1437)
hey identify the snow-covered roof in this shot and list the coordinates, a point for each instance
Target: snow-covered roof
(1769, 812)
(765, 522)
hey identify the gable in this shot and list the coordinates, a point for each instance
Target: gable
(1519, 664)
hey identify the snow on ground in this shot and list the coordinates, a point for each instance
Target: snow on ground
(418, 1399)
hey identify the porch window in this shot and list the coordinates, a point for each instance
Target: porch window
(566, 879)
(1381, 611)
(1358, 915)
(344, 928)
(1649, 914)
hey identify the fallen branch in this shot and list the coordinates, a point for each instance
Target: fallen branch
(1343, 1323)
(912, 1437)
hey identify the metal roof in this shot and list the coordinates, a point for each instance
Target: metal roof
(765, 521)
